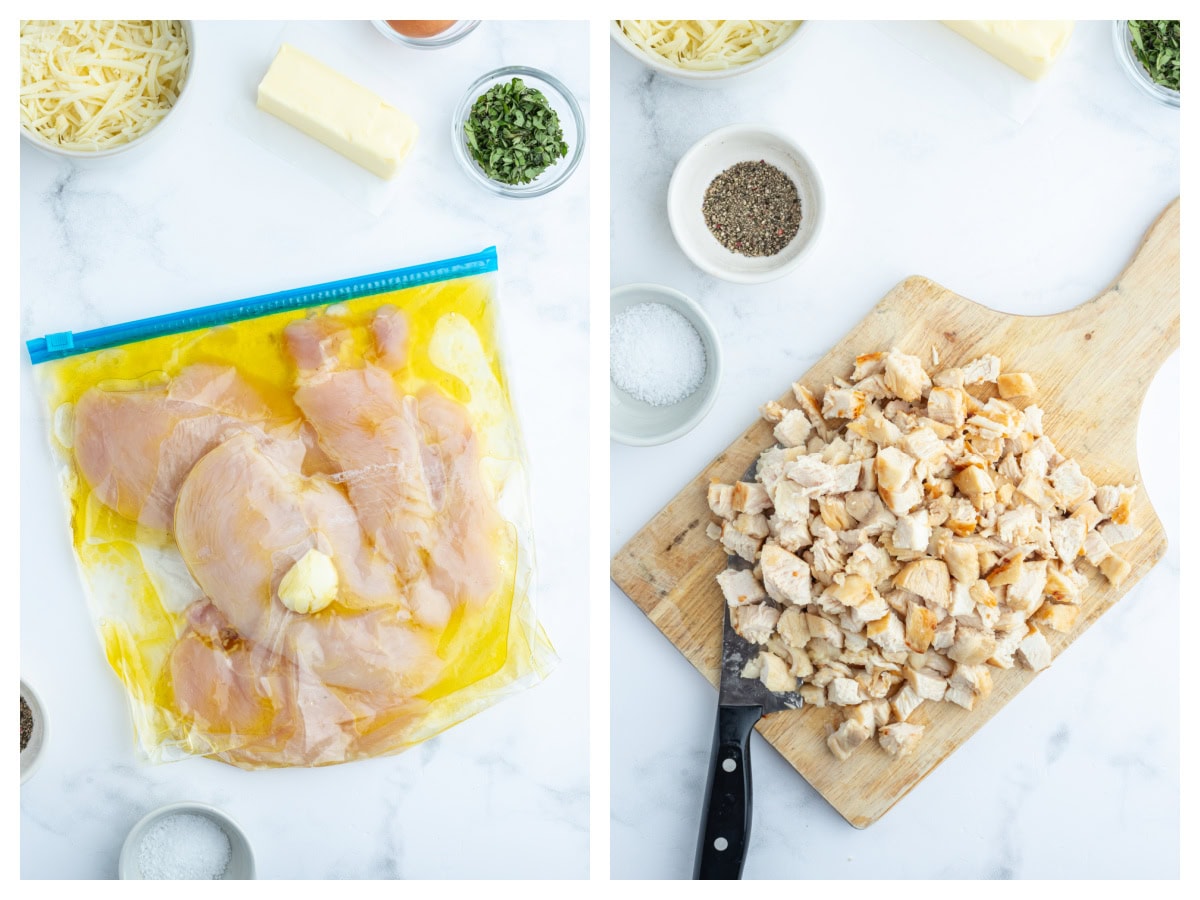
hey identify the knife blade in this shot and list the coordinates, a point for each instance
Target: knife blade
(727, 814)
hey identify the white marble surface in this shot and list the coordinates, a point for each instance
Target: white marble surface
(1079, 776)
(210, 216)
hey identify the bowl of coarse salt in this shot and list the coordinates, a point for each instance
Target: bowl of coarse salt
(664, 364)
(191, 841)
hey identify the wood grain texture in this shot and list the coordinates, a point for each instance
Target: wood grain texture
(1092, 365)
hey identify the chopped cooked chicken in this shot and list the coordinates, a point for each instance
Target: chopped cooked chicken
(919, 627)
(1115, 568)
(785, 576)
(1115, 534)
(904, 377)
(904, 702)
(972, 646)
(771, 671)
(849, 736)
(844, 692)
(912, 537)
(754, 621)
(900, 738)
(1034, 651)
(738, 543)
(740, 587)
(843, 403)
(927, 578)
(1016, 384)
(793, 429)
(984, 369)
(720, 500)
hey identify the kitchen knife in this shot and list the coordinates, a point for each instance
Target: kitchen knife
(725, 821)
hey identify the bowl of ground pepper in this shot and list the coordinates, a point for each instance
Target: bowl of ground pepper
(745, 204)
(33, 731)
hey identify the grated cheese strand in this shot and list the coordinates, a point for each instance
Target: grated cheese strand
(708, 44)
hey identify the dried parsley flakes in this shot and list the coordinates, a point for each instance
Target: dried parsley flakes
(513, 133)
(752, 208)
(1156, 45)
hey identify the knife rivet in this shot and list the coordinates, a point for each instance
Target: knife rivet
(729, 765)
(720, 843)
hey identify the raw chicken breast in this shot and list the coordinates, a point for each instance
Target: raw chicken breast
(134, 447)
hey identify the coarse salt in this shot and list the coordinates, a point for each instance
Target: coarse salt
(655, 354)
(184, 845)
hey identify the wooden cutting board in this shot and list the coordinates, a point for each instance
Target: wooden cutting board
(1092, 366)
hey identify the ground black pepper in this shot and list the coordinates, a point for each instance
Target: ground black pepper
(26, 723)
(752, 208)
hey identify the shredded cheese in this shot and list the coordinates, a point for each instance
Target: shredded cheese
(89, 85)
(708, 45)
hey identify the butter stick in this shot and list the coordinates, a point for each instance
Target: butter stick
(338, 112)
(1030, 47)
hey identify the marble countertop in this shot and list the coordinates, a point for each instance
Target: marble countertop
(1029, 200)
(220, 211)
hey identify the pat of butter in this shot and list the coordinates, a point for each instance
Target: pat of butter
(338, 112)
(310, 585)
(1030, 47)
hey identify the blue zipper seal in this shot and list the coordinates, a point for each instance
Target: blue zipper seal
(65, 343)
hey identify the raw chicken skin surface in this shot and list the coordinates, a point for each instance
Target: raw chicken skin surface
(135, 447)
(410, 464)
(245, 515)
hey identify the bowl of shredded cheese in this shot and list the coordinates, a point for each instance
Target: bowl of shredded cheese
(705, 52)
(93, 89)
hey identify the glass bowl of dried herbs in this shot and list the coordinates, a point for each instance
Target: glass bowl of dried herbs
(1148, 50)
(518, 132)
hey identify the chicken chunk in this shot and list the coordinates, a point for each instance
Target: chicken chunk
(900, 738)
(785, 576)
(904, 376)
(754, 621)
(927, 578)
(740, 587)
(1034, 651)
(1016, 384)
(848, 737)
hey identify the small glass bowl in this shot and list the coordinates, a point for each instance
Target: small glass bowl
(561, 100)
(1135, 70)
(451, 35)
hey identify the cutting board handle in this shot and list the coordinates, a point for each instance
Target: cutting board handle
(1137, 316)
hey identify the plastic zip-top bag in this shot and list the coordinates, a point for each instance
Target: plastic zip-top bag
(302, 519)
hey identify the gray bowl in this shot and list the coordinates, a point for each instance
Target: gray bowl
(241, 860)
(33, 752)
(631, 421)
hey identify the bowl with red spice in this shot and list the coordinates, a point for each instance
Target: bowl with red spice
(425, 34)
(746, 204)
(33, 731)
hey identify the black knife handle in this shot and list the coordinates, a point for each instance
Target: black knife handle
(725, 824)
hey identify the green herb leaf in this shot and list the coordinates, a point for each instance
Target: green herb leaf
(513, 133)
(1156, 45)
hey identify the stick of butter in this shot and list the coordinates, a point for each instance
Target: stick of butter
(338, 112)
(1030, 47)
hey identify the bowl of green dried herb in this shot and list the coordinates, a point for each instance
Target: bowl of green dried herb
(1148, 51)
(518, 132)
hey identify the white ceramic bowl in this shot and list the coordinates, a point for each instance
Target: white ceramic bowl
(241, 860)
(700, 78)
(34, 750)
(138, 143)
(711, 156)
(634, 422)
